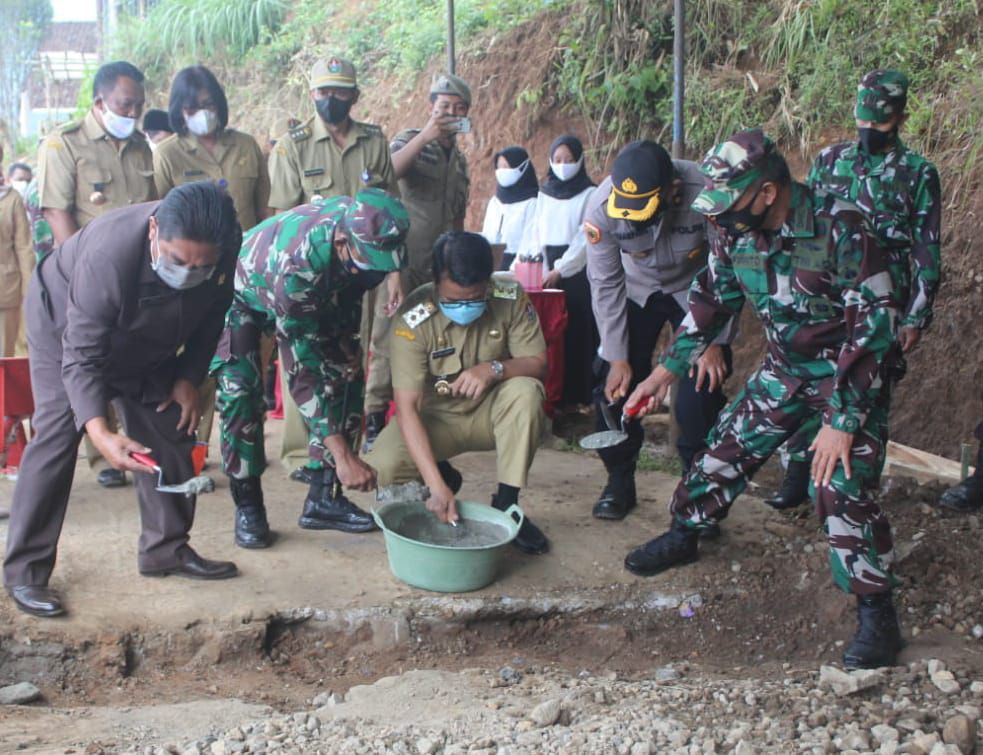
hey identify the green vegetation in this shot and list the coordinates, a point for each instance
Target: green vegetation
(791, 65)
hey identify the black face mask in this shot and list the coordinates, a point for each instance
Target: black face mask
(332, 109)
(873, 141)
(743, 220)
(365, 279)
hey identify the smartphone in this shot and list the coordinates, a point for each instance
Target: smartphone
(463, 125)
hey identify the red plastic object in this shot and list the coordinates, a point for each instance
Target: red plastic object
(17, 404)
(145, 459)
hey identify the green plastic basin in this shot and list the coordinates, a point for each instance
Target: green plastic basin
(444, 568)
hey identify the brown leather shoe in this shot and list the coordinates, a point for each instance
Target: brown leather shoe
(37, 600)
(194, 566)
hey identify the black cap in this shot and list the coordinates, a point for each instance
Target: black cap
(157, 120)
(640, 177)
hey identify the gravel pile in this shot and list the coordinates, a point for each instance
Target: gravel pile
(923, 709)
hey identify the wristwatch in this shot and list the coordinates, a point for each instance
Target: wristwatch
(498, 368)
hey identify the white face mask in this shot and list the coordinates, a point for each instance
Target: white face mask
(566, 171)
(21, 186)
(118, 126)
(202, 123)
(507, 177)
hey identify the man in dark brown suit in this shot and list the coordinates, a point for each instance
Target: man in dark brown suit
(127, 310)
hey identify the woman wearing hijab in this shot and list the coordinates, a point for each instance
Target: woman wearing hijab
(559, 236)
(508, 219)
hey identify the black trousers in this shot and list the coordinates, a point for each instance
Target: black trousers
(580, 341)
(696, 411)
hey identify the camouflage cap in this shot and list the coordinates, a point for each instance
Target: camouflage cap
(448, 83)
(333, 72)
(376, 223)
(881, 95)
(729, 168)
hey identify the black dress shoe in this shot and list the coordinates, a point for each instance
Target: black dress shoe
(618, 497)
(328, 509)
(678, 546)
(193, 566)
(111, 478)
(530, 539)
(37, 600)
(965, 497)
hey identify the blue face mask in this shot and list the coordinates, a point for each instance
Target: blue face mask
(463, 312)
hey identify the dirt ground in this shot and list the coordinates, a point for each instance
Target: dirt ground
(321, 611)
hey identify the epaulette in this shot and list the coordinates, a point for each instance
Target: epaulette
(505, 289)
(420, 313)
(371, 127)
(300, 133)
(69, 127)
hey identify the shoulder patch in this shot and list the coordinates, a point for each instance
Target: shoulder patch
(372, 128)
(420, 313)
(409, 335)
(592, 232)
(504, 289)
(300, 133)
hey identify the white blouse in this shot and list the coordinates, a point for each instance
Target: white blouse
(560, 222)
(511, 224)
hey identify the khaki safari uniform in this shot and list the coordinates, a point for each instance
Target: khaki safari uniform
(81, 171)
(237, 164)
(305, 165)
(435, 192)
(16, 264)
(428, 351)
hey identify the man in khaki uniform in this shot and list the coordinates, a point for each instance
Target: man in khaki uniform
(469, 360)
(94, 165)
(16, 264)
(434, 183)
(330, 155)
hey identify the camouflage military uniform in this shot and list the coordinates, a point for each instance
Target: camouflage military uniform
(822, 289)
(289, 281)
(900, 193)
(41, 235)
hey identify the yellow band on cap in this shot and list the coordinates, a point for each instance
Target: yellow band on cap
(626, 213)
(629, 195)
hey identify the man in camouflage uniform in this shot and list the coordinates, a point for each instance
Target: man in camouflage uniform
(899, 192)
(301, 275)
(331, 155)
(813, 270)
(433, 183)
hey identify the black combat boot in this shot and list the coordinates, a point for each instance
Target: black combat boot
(374, 423)
(618, 496)
(795, 487)
(965, 497)
(680, 545)
(530, 539)
(252, 529)
(878, 638)
(452, 478)
(327, 508)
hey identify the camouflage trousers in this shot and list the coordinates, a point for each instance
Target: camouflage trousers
(239, 400)
(771, 408)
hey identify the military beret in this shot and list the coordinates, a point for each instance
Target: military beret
(881, 95)
(730, 167)
(448, 83)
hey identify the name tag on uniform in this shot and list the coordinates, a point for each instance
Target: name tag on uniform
(189, 173)
(313, 172)
(749, 261)
(442, 352)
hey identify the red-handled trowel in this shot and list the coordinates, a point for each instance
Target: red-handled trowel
(189, 488)
(614, 434)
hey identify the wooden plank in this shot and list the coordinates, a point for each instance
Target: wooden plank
(923, 466)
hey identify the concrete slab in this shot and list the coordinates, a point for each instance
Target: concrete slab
(331, 571)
